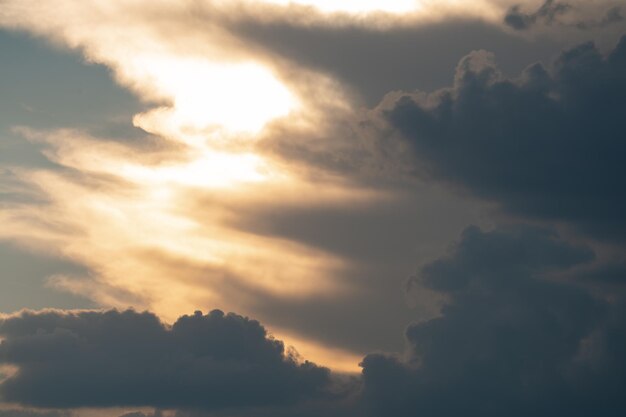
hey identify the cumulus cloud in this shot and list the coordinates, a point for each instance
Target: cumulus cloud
(105, 359)
(509, 341)
(546, 146)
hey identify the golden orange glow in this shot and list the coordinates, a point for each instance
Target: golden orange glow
(210, 169)
(164, 237)
(338, 360)
(394, 12)
(177, 228)
(207, 94)
(355, 6)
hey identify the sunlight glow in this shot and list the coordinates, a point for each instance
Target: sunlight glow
(355, 6)
(240, 97)
(212, 170)
(194, 217)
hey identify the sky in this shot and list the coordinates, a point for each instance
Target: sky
(250, 208)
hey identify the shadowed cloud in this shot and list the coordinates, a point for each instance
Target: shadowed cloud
(553, 13)
(18, 412)
(508, 341)
(127, 358)
(374, 61)
(548, 146)
(548, 12)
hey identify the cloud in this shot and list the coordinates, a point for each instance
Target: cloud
(548, 12)
(553, 13)
(613, 15)
(546, 146)
(158, 213)
(287, 240)
(105, 359)
(612, 273)
(509, 341)
(21, 412)
(404, 56)
(238, 219)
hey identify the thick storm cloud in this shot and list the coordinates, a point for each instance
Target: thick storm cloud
(509, 341)
(127, 358)
(548, 146)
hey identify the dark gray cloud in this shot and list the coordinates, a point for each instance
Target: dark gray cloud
(547, 13)
(609, 273)
(100, 359)
(548, 146)
(508, 341)
(374, 61)
(553, 12)
(23, 412)
(612, 16)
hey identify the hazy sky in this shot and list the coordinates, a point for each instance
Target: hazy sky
(312, 208)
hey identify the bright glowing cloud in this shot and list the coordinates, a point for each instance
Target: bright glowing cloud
(212, 169)
(158, 229)
(207, 94)
(355, 6)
